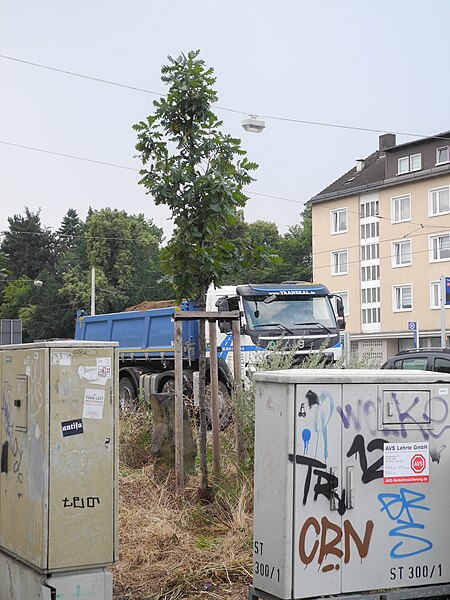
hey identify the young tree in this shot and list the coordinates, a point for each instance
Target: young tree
(199, 173)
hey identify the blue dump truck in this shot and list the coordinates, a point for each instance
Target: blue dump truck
(272, 316)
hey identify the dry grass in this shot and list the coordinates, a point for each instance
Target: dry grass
(175, 548)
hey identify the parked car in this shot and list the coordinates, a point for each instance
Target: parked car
(423, 359)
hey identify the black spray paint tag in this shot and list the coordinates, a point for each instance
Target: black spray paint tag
(73, 427)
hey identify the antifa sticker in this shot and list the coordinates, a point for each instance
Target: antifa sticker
(73, 427)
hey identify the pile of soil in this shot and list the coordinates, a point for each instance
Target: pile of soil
(148, 304)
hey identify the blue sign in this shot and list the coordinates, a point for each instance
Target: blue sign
(447, 290)
(412, 325)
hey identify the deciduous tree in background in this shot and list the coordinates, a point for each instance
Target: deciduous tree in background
(198, 172)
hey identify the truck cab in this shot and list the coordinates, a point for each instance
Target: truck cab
(294, 313)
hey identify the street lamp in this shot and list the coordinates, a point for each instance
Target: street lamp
(36, 282)
(253, 124)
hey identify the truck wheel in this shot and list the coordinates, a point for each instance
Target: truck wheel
(225, 406)
(127, 394)
(168, 387)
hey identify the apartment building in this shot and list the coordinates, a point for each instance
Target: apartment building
(381, 238)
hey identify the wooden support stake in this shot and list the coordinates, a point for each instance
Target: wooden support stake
(179, 441)
(236, 331)
(214, 396)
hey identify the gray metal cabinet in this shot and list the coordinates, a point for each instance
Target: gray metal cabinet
(351, 479)
(58, 434)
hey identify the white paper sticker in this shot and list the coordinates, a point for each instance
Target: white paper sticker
(61, 358)
(443, 391)
(91, 374)
(93, 404)
(104, 366)
(406, 462)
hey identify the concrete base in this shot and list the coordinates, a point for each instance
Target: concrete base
(20, 582)
(415, 593)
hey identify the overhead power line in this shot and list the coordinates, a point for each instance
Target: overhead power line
(91, 160)
(117, 166)
(241, 112)
(80, 75)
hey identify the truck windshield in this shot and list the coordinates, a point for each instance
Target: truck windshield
(289, 312)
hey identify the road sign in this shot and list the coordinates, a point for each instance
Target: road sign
(412, 325)
(447, 290)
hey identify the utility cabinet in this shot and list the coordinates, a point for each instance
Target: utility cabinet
(352, 471)
(59, 455)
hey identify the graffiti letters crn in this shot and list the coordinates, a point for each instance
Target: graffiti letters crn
(320, 541)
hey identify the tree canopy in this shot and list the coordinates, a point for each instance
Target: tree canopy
(199, 172)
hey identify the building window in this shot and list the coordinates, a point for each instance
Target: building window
(407, 164)
(438, 201)
(370, 252)
(369, 209)
(371, 315)
(435, 294)
(370, 230)
(339, 220)
(339, 262)
(401, 209)
(442, 155)
(370, 273)
(440, 247)
(401, 253)
(415, 162)
(370, 295)
(402, 297)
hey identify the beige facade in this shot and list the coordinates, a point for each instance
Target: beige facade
(385, 249)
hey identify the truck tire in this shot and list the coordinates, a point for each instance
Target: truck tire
(168, 386)
(225, 406)
(127, 394)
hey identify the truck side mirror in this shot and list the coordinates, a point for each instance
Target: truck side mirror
(339, 307)
(226, 303)
(341, 324)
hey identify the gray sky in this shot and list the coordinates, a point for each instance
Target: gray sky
(372, 64)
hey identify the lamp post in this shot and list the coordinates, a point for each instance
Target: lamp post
(445, 287)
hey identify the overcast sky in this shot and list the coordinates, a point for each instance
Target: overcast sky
(380, 65)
